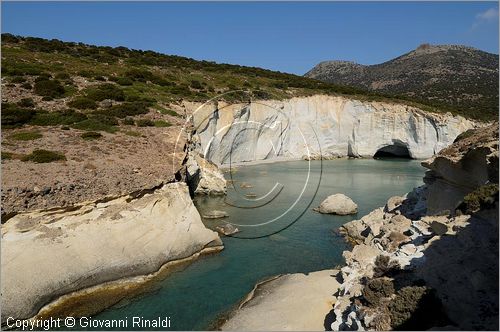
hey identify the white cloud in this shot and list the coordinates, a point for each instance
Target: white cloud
(489, 15)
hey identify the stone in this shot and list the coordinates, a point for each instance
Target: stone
(106, 103)
(204, 177)
(393, 203)
(338, 204)
(439, 228)
(227, 229)
(285, 304)
(215, 214)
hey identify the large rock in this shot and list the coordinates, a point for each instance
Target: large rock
(47, 254)
(338, 204)
(293, 302)
(319, 125)
(203, 177)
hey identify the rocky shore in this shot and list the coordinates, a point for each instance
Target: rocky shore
(429, 259)
(426, 260)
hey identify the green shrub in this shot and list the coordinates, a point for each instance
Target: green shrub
(98, 122)
(124, 81)
(26, 136)
(43, 156)
(18, 79)
(405, 304)
(49, 88)
(168, 111)
(384, 266)
(14, 116)
(91, 135)
(26, 86)
(82, 103)
(7, 155)
(196, 85)
(26, 102)
(139, 75)
(161, 123)
(66, 117)
(144, 123)
(481, 198)
(62, 76)
(99, 78)
(132, 133)
(376, 289)
(126, 109)
(128, 121)
(86, 73)
(105, 91)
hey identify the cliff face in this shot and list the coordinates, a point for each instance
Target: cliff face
(301, 128)
(429, 259)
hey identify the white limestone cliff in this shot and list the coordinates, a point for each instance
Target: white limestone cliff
(319, 125)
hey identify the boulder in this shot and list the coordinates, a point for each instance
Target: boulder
(204, 177)
(215, 214)
(338, 204)
(227, 229)
(393, 203)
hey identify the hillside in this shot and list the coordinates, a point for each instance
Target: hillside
(82, 122)
(445, 76)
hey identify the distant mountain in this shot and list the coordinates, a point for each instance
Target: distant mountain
(459, 77)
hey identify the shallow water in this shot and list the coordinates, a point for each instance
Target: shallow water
(301, 241)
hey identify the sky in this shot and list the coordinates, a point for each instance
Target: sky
(289, 37)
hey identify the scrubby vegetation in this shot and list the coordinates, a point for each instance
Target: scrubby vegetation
(44, 156)
(91, 135)
(384, 266)
(482, 198)
(161, 123)
(145, 123)
(49, 88)
(26, 136)
(83, 103)
(121, 74)
(377, 289)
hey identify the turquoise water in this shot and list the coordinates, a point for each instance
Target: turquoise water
(196, 296)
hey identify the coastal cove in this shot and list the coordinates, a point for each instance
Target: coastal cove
(204, 292)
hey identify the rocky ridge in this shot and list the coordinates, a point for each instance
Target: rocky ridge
(418, 265)
(462, 77)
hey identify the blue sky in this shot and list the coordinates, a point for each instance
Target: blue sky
(290, 37)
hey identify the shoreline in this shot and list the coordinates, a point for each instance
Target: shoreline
(83, 302)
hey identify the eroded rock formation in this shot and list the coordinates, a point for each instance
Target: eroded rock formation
(47, 254)
(326, 126)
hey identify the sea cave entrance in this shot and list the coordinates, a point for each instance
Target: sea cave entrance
(393, 151)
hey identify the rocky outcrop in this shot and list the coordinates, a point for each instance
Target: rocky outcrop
(462, 167)
(49, 254)
(319, 126)
(429, 259)
(203, 177)
(337, 204)
(292, 302)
